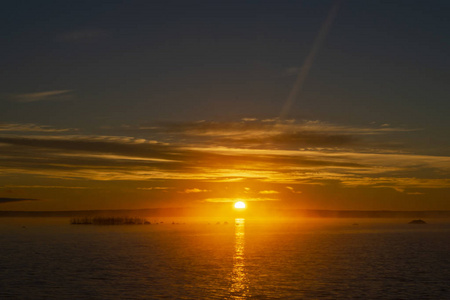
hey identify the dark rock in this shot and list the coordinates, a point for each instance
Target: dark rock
(419, 221)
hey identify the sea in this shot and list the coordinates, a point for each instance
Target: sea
(225, 259)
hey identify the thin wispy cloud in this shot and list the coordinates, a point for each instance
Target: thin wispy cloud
(122, 158)
(44, 187)
(265, 127)
(194, 190)
(200, 160)
(272, 134)
(55, 95)
(226, 200)
(292, 190)
(268, 192)
(29, 127)
(155, 188)
(8, 200)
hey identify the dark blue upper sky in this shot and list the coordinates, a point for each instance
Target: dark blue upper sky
(130, 62)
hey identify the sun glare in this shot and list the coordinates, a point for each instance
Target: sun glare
(239, 205)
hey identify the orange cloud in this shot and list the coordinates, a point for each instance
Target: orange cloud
(194, 190)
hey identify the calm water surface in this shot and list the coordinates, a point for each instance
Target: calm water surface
(246, 259)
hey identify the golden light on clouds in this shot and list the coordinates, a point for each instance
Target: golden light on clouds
(254, 160)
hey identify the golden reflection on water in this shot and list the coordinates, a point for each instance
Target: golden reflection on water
(239, 282)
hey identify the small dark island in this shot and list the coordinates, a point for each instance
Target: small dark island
(419, 221)
(109, 221)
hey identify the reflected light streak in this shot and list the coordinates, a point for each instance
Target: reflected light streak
(296, 89)
(239, 282)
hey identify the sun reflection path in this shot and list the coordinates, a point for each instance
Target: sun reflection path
(239, 282)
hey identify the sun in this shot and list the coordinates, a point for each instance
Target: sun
(239, 205)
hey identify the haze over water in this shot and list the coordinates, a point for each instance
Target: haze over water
(245, 259)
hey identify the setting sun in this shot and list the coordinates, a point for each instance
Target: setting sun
(239, 205)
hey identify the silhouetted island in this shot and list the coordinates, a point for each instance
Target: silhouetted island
(109, 221)
(419, 221)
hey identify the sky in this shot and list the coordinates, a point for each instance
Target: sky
(290, 104)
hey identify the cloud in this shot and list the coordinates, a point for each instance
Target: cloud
(29, 127)
(415, 193)
(228, 200)
(45, 187)
(290, 188)
(42, 96)
(268, 127)
(271, 133)
(219, 152)
(6, 200)
(268, 192)
(162, 188)
(194, 190)
(295, 139)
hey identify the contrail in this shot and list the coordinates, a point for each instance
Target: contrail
(297, 87)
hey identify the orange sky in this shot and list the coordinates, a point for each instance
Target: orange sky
(193, 163)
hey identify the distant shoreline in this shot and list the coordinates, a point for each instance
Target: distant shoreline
(189, 212)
